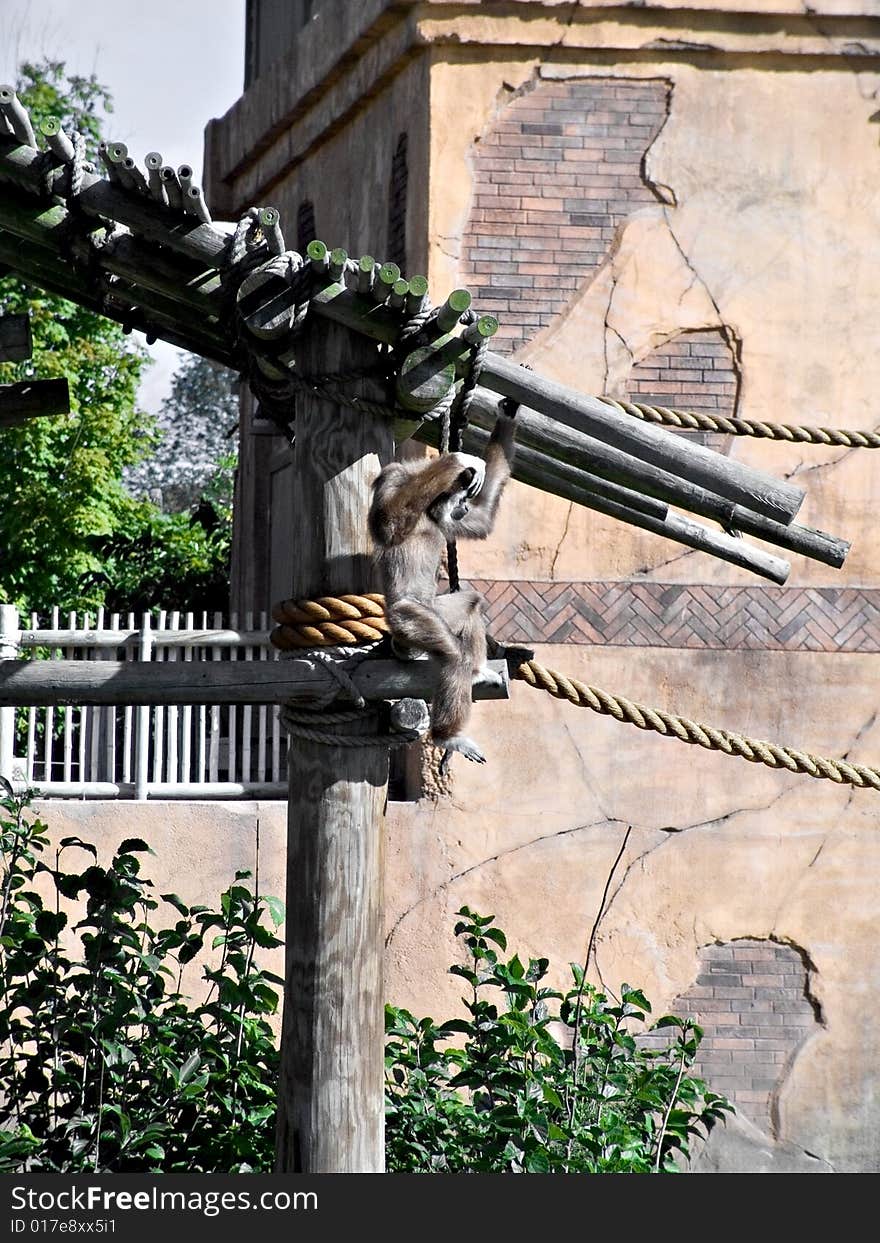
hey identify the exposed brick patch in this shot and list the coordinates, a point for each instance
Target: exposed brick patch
(685, 615)
(751, 1000)
(396, 249)
(693, 371)
(557, 173)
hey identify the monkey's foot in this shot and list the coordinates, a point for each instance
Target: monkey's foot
(465, 747)
(488, 677)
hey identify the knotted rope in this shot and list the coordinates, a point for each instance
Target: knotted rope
(314, 622)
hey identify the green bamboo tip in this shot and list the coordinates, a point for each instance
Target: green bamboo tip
(50, 126)
(366, 263)
(269, 217)
(338, 257)
(459, 301)
(389, 273)
(418, 285)
(400, 287)
(316, 250)
(486, 326)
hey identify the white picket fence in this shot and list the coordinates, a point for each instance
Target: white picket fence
(182, 751)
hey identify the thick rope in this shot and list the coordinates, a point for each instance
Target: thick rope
(349, 619)
(315, 622)
(792, 432)
(752, 749)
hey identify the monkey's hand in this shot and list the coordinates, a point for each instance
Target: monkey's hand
(473, 474)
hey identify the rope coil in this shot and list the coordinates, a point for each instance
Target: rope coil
(311, 616)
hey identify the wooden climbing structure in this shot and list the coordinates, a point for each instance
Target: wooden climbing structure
(347, 356)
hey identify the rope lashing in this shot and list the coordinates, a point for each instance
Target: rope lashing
(455, 419)
(791, 432)
(306, 623)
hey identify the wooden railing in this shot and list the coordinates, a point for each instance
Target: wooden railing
(179, 751)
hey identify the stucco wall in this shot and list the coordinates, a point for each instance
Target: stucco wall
(756, 219)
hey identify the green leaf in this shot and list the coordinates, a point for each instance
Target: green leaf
(132, 845)
(537, 1162)
(276, 910)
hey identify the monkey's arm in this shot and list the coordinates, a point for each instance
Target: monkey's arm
(404, 492)
(480, 518)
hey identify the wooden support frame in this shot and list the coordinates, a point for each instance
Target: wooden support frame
(16, 344)
(53, 683)
(32, 399)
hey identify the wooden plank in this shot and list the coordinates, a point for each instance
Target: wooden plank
(630, 507)
(32, 399)
(559, 443)
(16, 344)
(186, 717)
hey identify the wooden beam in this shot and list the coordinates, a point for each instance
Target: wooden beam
(54, 683)
(16, 344)
(138, 309)
(32, 399)
(331, 1084)
(731, 479)
(536, 469)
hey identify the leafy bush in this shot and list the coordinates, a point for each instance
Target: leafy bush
(104, 1064)
(548, 1083)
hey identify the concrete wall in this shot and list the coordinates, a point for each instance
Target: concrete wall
(682, 176)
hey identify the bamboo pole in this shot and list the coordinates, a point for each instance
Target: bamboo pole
(628, 507)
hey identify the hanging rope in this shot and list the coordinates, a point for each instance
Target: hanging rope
(316, 622)
(792, 432)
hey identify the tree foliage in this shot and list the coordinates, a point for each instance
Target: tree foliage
(194, 427)
(105, 1064)
(70, 531)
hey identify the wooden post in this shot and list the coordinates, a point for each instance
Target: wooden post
(9, 635)
(330, 1100)
(142, 754)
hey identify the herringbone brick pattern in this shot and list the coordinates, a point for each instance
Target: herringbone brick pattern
(685, 615)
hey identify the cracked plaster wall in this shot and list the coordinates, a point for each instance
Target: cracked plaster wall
(768, 233)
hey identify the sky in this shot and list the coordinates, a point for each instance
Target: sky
(170, 65)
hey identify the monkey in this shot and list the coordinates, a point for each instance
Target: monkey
(417, 508)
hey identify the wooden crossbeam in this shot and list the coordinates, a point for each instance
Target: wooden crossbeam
(32, 399)
(51, 683)
(15, 338)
